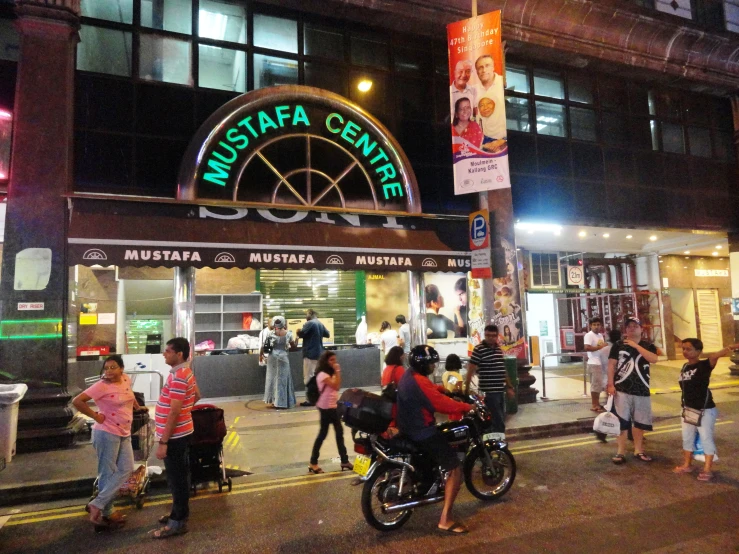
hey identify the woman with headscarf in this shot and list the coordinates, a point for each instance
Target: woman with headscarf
(278, 365)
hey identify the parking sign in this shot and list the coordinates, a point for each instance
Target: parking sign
(479, 230)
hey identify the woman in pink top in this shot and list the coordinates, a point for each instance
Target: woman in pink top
(111, 437)
(328, 379)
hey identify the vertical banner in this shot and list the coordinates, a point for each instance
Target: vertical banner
(480, 245)
(477, 104)
(508, 315)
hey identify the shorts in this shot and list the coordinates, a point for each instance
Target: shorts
(437, 449)
(636, 409)
(596, 378)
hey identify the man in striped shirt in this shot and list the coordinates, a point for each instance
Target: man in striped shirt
(174, 427)
(487, 362)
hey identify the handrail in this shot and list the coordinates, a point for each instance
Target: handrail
(583, 355)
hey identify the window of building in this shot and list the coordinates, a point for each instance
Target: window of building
(699, 139)
(517, 114)
(544, 270)
(672, 138)
(164, 59)
(406, 60)
(167, 15)
(323, 42)
(104, 51)
(580, 89)
(270, 71)
(120, 11)
(583, 124)
(548, 84)
(327, 77)
(551, 119)
(276, 33)
(218, 20)
(517, 79)
(731, 14)
(6, 133)
(222, 68)
(9, 41)
(680, 8)
(370, 52)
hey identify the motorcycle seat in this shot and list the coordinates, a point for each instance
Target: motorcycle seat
(403, 445)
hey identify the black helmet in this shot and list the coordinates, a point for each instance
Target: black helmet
(422, 358)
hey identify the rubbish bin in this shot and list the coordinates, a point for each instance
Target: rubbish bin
(10, 397)
(511, 368)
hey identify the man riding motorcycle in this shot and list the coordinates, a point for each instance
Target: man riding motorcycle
(417, 399)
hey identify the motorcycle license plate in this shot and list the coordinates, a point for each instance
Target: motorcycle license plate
(362, 464)
(493, 437)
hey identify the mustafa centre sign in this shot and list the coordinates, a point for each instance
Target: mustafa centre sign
(298, 146)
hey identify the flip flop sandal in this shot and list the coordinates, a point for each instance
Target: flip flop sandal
(166, 532)
(619, 459)
(681, 469)
(642, 457)
(598, 410)
(164, 519)
(703, 476)
(455, 529)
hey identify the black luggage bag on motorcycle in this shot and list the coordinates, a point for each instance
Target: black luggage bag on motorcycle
(364, 411)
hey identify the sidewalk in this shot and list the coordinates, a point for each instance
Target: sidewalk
(269, 441)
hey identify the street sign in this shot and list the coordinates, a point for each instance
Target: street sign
(480, 245)
(575, 275)
(27, 306)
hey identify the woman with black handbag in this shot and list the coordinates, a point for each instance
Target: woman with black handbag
(699, 411)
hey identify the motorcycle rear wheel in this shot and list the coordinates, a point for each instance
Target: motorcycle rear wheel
(382, 487)
(488, 483)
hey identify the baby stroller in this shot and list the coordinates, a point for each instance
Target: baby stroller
(206, 447)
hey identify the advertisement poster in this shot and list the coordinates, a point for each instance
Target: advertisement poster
(446, 305)
(476, 322)
(507, 307)
(477, 104)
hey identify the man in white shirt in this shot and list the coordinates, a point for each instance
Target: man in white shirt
(594, 343)
(460, 87)
(491, 105)
(264, 333)
(404, 334)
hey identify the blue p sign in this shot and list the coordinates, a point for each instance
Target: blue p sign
(478, 230)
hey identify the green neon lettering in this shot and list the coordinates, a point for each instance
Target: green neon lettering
(364, 142)
(387, 170)
(245, 123)
(350, 131)
(281, 117)
(220, 175)
(380, 156)
(265, 122)
(233, 135)
(393, 188)
(221, 157)
(300, 116)
(328, 122)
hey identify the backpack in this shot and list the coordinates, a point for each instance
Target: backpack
(390, 391)
(312, 394)
(269, 344)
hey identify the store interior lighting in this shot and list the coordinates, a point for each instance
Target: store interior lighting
(212, 25)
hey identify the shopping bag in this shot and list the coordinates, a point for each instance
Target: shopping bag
(698, 454)
(607, 423)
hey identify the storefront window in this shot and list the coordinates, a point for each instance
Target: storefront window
(583, 124)
(120, 11)
(517, 114)
(270, 71)
(323, 43)
(104, 51)
(276, 33)
(222, 21)
(164, 59)
(9, 41)
(550, 85)
(167, 15)
(551, 119)
(222, 68)
(6, 128)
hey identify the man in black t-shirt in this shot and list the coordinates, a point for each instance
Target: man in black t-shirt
(628, 381)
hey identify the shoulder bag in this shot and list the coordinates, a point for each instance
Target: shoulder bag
(691, 416)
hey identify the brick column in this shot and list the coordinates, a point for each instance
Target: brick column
(40, 176)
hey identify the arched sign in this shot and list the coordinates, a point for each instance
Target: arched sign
(298, 147)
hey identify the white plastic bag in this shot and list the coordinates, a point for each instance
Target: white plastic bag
(361, 334)
(607, 423)
(698, 454)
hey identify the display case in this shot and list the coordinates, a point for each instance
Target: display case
(220, 317)
(138, 332)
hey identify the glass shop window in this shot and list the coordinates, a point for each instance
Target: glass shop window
(222, 68)
(104, 51)
(550, 85)
(164, 59)
(167, 15)
(271, 71)
(324, 43)
(276, 33)
(517, 114)
(551, 119)
(218, 20)
(120, 11)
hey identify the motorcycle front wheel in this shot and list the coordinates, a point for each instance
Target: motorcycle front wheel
(489, 482)
(382, 487)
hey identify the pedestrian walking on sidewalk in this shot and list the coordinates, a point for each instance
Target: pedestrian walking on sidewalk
(628, 380)
(695, 377)
(111, 437)
(328, 379)
(312, 333)
(174, 427)
(594, 344)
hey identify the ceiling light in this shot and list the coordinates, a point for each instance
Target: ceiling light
(653, 238)
(546, 227)
(714, 253)
(685, 267)
(686, 252)
(582, 234)
(364, 85)
(212, 25)
(629, 237)
(719, 247)
(661, 261)
(606, 235)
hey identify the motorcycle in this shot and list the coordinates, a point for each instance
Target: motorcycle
(398, 479)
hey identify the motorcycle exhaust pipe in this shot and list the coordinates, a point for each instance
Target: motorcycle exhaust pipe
(392, 507)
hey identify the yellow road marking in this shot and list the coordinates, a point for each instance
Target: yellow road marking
(306, 481)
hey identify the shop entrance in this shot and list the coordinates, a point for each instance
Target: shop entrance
(709, 319)
(683, 322)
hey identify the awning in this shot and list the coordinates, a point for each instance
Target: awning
(138, 234)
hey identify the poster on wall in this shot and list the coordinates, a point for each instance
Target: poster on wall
(477, 104)
(507, 307)
(295, 325)
(475, 321)
(446, 305)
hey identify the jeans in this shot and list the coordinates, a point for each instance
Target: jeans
(705, 432)
(177, 466)
(495, 403)
(115, 464)
(329, 417)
